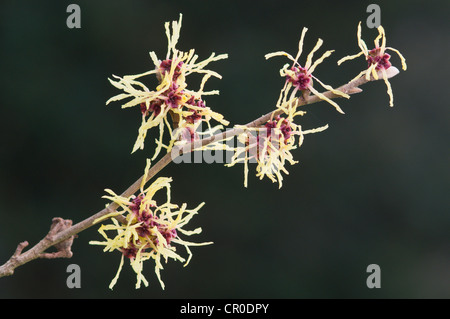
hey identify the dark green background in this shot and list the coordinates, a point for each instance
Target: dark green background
(373, 188)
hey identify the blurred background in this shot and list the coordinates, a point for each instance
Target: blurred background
(372, 189)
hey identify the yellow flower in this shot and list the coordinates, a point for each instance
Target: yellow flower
(150, 231)
(171, 97)
(300, 78)
(377, 59)
(270, 147)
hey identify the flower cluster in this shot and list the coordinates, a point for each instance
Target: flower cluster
(270, 146)
(299, 79)
(171, 101)
(150, 231)
(377, 59)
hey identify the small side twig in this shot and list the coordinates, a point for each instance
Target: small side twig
(38, 251)
(63, 247)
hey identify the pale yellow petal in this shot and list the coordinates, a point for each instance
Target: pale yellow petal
(362, 45)
(401, 57)
(389, 88)
(329, 88)
(311, 54)
(320, 60)
(349, 57)
(374, 71)
(106, 217)
(114, 281)
(316, 130)
(279, 53)
(323, 97)
(118, 97)
(300, 43)
(246, 170)
(380, 36)
(155, 59)
(144, 178)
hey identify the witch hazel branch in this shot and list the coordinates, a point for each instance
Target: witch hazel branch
(141, 230)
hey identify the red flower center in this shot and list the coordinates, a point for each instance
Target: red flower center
(194, 117)
(155, 107)
(148, 221)
(166, 65)
(301, 79)
(285, 128)
(380, 60)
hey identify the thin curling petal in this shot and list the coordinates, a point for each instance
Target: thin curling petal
(323, 97)
(373, 69)
(403, 60)
(389, 88)
(279, 53)
(144, 178)
(172, 39)
(311, 54)
(329, 88)
(320, 60)
(380, 36)
(315, 130)
(300, 44)
(116, 277)
(362, 45)
(383, 39)
(350, 57)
